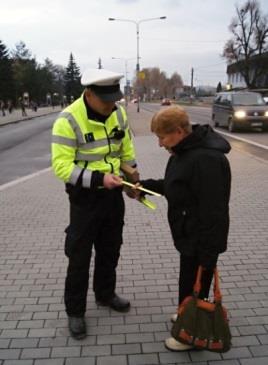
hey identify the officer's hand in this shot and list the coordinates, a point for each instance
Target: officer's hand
(111, 181)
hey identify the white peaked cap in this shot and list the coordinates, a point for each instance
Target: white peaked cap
(100, 77)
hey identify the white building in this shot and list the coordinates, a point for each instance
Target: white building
(236, 79)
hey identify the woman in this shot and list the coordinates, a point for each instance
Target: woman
(196, 185)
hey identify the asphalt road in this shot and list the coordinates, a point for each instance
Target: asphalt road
(25, 146)
(253, 142)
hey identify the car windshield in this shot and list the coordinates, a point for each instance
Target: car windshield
(248, 99)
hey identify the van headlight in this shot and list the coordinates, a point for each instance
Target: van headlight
(240, 114)
(266, 113)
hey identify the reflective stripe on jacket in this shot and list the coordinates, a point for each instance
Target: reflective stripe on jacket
(77, 141)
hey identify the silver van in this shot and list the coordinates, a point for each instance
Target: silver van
(240, 109)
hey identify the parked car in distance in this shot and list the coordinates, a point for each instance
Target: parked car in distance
(165, 101)
(240, 110)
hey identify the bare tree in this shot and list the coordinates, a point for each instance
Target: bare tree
(155, 84)
(250, 33)
(175, 84)
(152, 82)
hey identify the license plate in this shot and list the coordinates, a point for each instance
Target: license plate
(256, 124)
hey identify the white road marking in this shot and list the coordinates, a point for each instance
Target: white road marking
(24, 178)
(243, 139)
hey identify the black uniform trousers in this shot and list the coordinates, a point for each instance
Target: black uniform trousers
(96, 220)
(188, 271)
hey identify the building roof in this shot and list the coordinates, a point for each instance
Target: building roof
(254, 60)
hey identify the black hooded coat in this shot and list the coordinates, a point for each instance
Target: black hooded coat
(197, 187)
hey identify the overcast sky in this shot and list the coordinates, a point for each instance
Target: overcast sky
(193, 35)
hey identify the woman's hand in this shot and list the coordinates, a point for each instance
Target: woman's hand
(132, 192)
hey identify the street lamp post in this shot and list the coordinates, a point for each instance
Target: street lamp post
(126, 73)
(137, 23)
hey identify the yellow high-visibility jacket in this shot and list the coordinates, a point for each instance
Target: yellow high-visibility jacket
(79, 143)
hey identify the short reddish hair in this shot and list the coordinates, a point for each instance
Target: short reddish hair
(169, 119)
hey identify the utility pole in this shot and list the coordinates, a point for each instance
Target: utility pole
(192, 85)
(192, 80)
(127, 82)
(138, 75)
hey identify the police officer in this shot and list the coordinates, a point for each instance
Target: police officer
(90, 139)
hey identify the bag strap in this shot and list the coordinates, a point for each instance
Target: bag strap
(216, 287)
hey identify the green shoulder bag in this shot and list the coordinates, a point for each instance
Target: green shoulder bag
(201, 323)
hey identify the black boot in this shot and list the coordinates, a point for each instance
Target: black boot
(116, 303)
(77, 327)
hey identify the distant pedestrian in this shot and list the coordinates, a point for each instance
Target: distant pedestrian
(2, 108)
(34, 106)
(22, 106)
(10, 106)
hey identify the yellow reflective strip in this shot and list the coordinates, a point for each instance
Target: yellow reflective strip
(131, 162)
(87, 174)
(97, 144)
(123, 124)
(74, 125)
(88, 157)
(94, 144)
(64, 140)
(95, 157)
(75, 175)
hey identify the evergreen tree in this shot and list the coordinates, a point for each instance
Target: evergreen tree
(6, 76)
(219, 87)
(72, 76)
(45, 80)
(38, 80)
(59, 73)
(25, 70)
(50, 82)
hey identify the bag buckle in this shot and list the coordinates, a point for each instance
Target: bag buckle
(215, 345)
(184, 336)
(198, 342)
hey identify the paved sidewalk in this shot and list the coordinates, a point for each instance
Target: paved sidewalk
(16, 116)
(33, 327)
